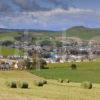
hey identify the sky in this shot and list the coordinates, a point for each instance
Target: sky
(49, 14)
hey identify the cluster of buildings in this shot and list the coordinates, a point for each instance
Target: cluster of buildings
(72, 49)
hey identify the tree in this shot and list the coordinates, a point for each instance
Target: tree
(38, 61)
(58, 44)
(28, 64)
(7, 43)
(46, 43)
(73, 66)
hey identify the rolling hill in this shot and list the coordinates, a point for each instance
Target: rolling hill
(84, 32)
(77, 31)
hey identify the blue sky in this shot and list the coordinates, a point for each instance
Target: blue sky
(49, 14)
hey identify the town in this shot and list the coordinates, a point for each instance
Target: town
(52, 50)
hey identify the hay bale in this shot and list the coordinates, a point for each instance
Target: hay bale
(60, 80)
(67, 81)
(44, 81)
(24, 85)
(39, 83)
(87, 85)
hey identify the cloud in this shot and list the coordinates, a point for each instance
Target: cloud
(59, 11)
(56, 18)
(32, 5)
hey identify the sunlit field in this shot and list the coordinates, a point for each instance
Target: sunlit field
(6, 51)
(86, 71)
(52, 91)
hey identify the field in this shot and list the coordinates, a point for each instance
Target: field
(76, 31)
(52, 91)
(84, 33)
(8, 36)
(10, 51)
(86, 71)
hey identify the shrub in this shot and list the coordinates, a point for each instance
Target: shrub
(87, 85)
(60, 80)
(73, 66)
(24, 85)
(39, 83)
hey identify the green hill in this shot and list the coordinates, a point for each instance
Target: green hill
(77, 31)
(84, 33)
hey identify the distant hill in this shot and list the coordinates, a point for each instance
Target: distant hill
(23, 30)
(10, 34)
(83, 32)
(77, 31)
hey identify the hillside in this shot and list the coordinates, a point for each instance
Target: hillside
(84, 32)
(9, 34)
(77, 31)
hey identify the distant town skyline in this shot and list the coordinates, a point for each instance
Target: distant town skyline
(49, 14)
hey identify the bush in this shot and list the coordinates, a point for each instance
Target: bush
(39, 83)
(60, 80)
(87, 85)
(24, 85)
(73, 66)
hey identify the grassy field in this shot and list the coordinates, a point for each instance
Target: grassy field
(10, 51)
(83, 32)
(8, 36)
(86, 71)
(52, 91)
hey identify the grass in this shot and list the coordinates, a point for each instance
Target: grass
(52, 91)
(77, 31)
(8, 36)
(10, 51)
(83, 33)
(86, 71)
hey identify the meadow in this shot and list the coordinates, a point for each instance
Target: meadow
(86, 71)
(6, 51)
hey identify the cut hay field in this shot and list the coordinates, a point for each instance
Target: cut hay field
(52, 91)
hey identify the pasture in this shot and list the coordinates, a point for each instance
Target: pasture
(86, 71)
(6, 51)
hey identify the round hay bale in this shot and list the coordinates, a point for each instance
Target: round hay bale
(87, 85)
(60, 80)
(39, 83)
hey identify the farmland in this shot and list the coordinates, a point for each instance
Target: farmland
(6, 51)
(86, 71)
(81, 32)
(52, 91)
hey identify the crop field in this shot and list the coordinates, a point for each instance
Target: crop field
(52, 91)
(86, 71)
